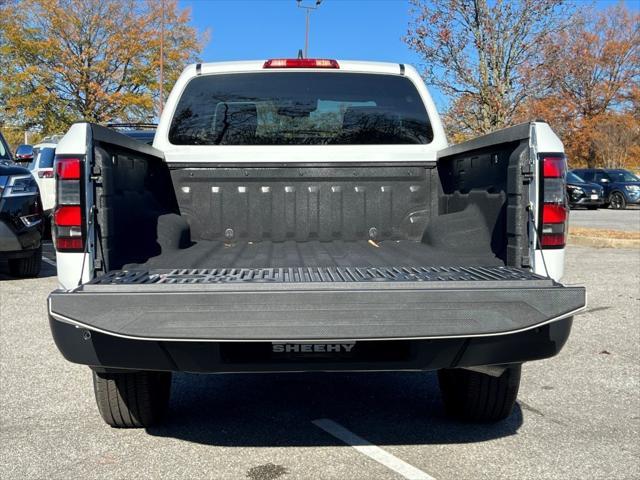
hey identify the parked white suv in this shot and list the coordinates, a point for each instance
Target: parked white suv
(42, 169)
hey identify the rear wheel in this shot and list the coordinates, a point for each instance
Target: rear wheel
(478, 397)
(617, 201)
(132, 400)
(27, 266)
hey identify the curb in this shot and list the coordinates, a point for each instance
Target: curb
(600, 242)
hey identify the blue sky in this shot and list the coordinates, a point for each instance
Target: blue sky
(346, 29)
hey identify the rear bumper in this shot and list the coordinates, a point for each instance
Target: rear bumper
(103, 351)
(396, 319)
(585, 202)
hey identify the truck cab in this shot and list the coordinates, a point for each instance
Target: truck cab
(309, 215)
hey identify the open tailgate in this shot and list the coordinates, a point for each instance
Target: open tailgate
(314, 303)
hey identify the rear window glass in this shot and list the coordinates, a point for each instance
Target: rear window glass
(45, 157)
(296, 108)
(34, 161)
(4, 150)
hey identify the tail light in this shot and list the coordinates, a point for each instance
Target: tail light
(300, 63)
(68, 217)
(555, 207)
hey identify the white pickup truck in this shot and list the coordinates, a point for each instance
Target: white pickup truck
(308, 215)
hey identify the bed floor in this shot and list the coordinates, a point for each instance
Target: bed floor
(216, 254)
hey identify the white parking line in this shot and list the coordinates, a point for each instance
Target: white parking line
(372, 451)
(49, 261)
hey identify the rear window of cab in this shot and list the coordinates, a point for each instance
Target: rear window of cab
(300, 108)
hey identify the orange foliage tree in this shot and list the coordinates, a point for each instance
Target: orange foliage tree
(95, 60)
(475, 52)
(591, 92)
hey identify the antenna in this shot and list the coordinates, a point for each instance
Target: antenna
(308, 8)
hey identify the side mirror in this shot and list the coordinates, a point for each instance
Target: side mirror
(24, 153)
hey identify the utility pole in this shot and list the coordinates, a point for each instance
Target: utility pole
(308, 9)
(161, 96)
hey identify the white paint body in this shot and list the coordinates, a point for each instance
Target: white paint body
(71, 267)
(47, 186)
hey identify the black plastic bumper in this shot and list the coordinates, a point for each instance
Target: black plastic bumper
(587, 202)
(104, 351)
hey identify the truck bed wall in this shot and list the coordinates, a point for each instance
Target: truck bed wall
(302, 204)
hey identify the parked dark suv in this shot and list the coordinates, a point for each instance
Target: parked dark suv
(583, 194)
(621, 187)
(21, 219)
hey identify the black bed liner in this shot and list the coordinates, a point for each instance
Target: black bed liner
(320, 274)
(316, 304)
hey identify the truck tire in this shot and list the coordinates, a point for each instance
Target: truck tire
(132, 400)
(478, 397)
(27, 266)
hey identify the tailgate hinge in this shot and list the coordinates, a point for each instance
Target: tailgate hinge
(528, 169)
(529, 165)
(96, 175)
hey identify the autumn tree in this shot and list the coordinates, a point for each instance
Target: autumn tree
(479, 54)
(617, 140)
(95, 60)
(591, 77)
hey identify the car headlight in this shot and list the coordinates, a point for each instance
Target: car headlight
(632, 188)
(20, 186)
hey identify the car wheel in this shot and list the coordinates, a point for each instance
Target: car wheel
(617, 201)
(479, 397)
(132, 400)
(27, 266)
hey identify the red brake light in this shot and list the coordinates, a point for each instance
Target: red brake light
(67, 221)
(553, 240)
(68, 168)
(555, 209)
(300, 63)
(68, 216)
(69, 244)
(553, 167)
(554, 213)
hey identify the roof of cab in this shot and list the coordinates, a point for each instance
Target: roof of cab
(257, 65)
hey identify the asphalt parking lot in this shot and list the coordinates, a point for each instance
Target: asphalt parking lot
(607, 219)
(578, 414)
